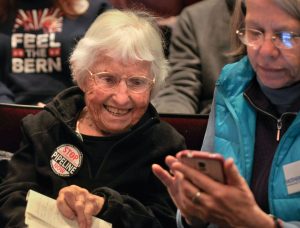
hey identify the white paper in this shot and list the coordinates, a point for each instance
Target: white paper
(292, 177)
(41, 211)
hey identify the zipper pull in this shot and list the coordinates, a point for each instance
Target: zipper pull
(279, 126)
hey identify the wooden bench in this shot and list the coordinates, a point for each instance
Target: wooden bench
(192, 127)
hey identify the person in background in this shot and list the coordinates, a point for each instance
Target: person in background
(166, 13)
(198, 51)
(37, 38)
(92, 146)
(254, 124)
(164, 8)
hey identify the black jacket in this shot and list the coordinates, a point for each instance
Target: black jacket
(134, 196)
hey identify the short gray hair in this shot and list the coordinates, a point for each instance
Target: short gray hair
(125, 35)
(292, 7)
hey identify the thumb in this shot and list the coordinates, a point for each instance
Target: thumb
(232, 174)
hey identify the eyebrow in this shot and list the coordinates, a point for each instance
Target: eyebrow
(252, 23)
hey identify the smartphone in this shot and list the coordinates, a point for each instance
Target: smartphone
(208, 163)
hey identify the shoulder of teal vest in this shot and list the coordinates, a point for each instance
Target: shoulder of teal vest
(235, 77)
(235, 118)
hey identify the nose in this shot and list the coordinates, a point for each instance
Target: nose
(268, 48)
(121, 93)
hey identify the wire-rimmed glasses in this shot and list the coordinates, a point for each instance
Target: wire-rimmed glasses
(108, 81)
(255, 38)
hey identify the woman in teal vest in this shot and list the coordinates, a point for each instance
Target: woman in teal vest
(255, 125)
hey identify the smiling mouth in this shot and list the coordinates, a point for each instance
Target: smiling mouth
(116, 111)
(269, 69)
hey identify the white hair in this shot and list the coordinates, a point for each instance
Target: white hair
(125, 35)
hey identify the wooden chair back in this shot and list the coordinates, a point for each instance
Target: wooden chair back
(192, 127)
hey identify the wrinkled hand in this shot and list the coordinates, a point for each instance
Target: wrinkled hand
(171, 181)
(77, 203)
(230, 205)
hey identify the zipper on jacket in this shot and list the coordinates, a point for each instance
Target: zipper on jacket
(278, 120)
(279, 126)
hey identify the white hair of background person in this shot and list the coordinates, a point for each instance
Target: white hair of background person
(123, 35)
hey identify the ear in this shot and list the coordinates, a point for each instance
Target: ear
(82, 84)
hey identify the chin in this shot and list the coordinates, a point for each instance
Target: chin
(118, 130)
(273, 84)
(276, 85)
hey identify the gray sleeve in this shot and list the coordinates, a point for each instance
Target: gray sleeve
(208, 141)
(183, 84)
(200, 41)
(196, 223)
(179, 220)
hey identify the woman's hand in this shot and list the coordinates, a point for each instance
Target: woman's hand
(77, 203)
(171, 181)
(228, 205)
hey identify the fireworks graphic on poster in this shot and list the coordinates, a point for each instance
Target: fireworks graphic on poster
(47, 20)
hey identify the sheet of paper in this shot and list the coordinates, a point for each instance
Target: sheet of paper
(41, 211)
(292, 177)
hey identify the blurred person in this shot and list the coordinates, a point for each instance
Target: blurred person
(165, 11)
(108, 126)
(254, 124)
(37, 38)
(198, 50)
(165, 8)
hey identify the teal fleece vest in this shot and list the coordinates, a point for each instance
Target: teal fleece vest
(235, 135)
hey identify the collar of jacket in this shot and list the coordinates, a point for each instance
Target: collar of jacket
(259, 100)
(235, 77)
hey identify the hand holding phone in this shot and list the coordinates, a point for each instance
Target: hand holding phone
(208, 163)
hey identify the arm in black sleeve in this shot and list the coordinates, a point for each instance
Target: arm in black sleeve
(125, 211)
(13, 190)
(6, 96)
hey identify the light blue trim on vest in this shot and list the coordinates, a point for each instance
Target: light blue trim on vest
(235, 122)
(235, 119)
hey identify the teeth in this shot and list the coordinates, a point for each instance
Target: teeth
(115, 111)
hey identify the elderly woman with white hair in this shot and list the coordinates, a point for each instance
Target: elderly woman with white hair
(93, 146)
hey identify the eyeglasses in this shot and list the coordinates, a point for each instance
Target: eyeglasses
(255, 38)
(136, 84)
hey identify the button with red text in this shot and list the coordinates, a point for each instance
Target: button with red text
(66, 160)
